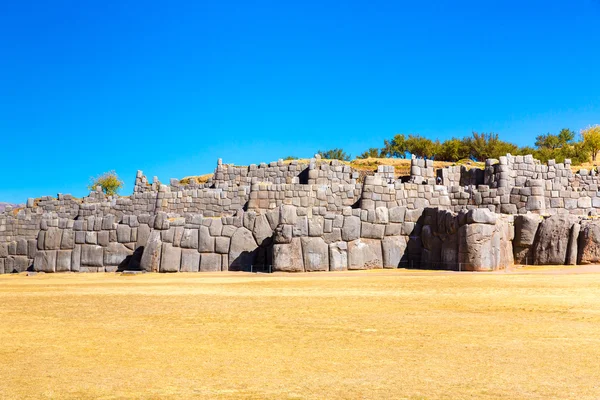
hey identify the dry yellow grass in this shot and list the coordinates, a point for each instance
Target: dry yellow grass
(382, 334)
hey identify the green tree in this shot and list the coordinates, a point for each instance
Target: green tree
(395, 147)
(289, 158)
(591, 139)
(108, 181)
(334, 154)
(421, 146)
(489, 145)
(453, 150)
(373, 152)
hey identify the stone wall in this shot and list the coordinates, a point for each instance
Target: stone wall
(316, 215)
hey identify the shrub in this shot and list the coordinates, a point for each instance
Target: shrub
(108, 181)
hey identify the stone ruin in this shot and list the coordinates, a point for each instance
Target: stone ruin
(317, 216)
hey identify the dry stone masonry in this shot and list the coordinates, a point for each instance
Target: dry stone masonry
(317, 216)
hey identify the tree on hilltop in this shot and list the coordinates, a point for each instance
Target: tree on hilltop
(108, 181)
(334, 154)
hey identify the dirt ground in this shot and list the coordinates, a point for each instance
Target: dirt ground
(393, 334)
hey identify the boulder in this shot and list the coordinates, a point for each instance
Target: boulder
(115, 254)
(262, 229)
(552, 242)
(351, 228)
(242, 250)
(190, 260)
(63, 260)
(315, 254)
(481, 216)
(288, 215)
(393, 249)
(478, 247)
(365, 254)
(210, 262)
(206, 243)
(288, 257)
(143, 234)
(45, 261)
(338, 256)
(92, 256)
(152, 253)
(189, 239)
(170, 259)
(589, 243)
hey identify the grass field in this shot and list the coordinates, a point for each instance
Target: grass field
(371, 334)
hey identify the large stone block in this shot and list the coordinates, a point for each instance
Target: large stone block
(170, 259)
(288, 257)
(52, 239)
(262, 229)
(338, 256)
(589, 243)
(190, 260)
(92, 256)
(210, 262)
(143, 233)
(315, 254)
(481, 216)
(351, 228)
(288, 215)
(189, 240)
(115, 254)
(242, 250)
(372, 231)
(45, 261)
(206, 243)
(526, 226)
(393, 249)
(152, 253)
(63, 260)
(552, 241)
(365, 254)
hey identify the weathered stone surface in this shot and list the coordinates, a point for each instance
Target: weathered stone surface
(45, 261)
(351, 228)
(52, 239)
(396, 214)
(143, 234)
(170, 259)
(393, 249)
(288, 215)
(123, 233)
(115, 254)
(222, 245)
(92, 256)
(189, 240)
(338, 256)
(210, 262)
(479, 247)
(63, 260)
(152, 253)
(190, 260)
(372, 231)
(589, 243)
(242, 249)
(315, 226)
(76, 258)
(315, 254)
(572, 248)
(206, 243)
(262, 229)
(365, 254)
(552, 242)
(526, 227)
(288, 257)
(481, 216)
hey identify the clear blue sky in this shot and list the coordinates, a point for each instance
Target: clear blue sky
(90, 86)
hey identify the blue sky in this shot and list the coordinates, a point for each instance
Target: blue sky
(169, 87)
